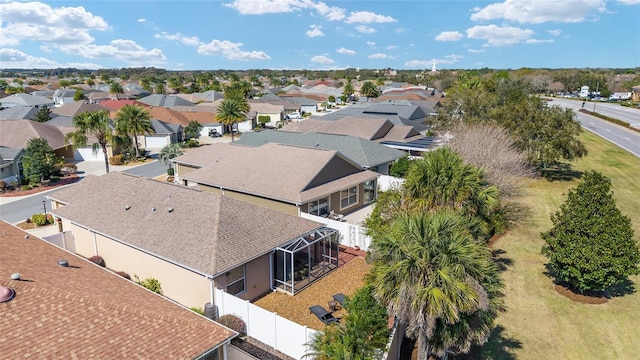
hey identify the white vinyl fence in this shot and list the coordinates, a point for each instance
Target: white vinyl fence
(350, 235)
(268, 327)
(62, 240)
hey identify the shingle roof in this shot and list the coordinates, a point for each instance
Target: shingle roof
(370, 128)
(83, 311)
(17, 133)
(364, 152)
(19, 112)
(9, 153)
(164, 100)
(78, 107)
(163, 128)
(22, 99)
(217, 233)
(299, 175)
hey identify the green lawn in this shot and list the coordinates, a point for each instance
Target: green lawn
(539, 323)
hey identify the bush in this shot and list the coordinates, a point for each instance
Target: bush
(124, 275)
(116, 160)
(170, 172)
(149, 283)
(234, 323)
(54, 178)
(26, 187)
(191, 143)
(3, 185)
(39, 219)
(197, 310)
(98, 260)
(263, 119)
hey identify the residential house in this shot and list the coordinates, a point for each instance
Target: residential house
(78, 107)
(259, 110)
(305, 105)
(22, 99)
(115, 105)
(635, 93)
(17, 133)
(291, 179)
(11, 163)
(368, 154)
(63, 96)
(162, 100)
(56, 305)
(164, 134)
(84, 153)
(190, 240)
(19, 112)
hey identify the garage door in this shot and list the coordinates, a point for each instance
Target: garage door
(86, 154)
(156, 142)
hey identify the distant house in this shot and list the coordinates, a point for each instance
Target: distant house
(11, 163)
(17, 133)
(64, 96)
(22, 99)
(309, 180)
(164, 134)
(635, 93)
(261, 109)
(64, 307)
(192, 241)
(167, 101)
(369, 154)
(78, 107)
(19, 112)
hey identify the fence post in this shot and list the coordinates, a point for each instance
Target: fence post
(275, 331)
(246, 321)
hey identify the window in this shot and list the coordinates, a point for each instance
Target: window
(319, 207)
(369, 191)
(348, 197)
(235, 280)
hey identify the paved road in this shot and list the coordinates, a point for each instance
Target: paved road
(152, 169)
(19, 210)
(630, 115)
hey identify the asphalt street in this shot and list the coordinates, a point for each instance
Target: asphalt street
(19, 209)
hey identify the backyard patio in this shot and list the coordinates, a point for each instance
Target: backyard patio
(346, 279)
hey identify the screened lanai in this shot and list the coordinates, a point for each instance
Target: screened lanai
(304, 260)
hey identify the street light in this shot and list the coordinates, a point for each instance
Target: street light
(44, 207)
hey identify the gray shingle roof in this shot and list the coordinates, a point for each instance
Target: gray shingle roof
(165, 100)
(19, 112)
(285, 173)
(17, 133)
(206, 232)
(22, 99)
(364, 152)
(161, 127)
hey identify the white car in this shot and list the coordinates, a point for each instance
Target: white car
(295, 115)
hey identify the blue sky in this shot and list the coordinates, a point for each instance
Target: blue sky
(310, 34)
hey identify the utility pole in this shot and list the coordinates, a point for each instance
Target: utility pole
(594, 102)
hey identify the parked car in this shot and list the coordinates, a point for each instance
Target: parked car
(295, 115)
(214, 133)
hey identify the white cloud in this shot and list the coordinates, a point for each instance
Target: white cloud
(253, 7)
(557, 32)
(401, 30)
(37, 21)
(392, 47)
(418, 64)
(367, 17)
(499, 35)
(124, 50)
(476, 51)
(539, 41)
(449, 36)
(314, 31)
(371, 43)
(142, 20)
(231, 51)
(13, 58)
(179, 37)
(321, 59)
(536, 12)
(629, 2)
(380, 56)
(365, 29)
(345, 51)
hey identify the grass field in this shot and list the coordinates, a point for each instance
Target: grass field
(539, 323)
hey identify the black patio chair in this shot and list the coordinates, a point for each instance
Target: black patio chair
(323, 315)
(340, 298)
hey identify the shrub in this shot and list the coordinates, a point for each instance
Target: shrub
(124, 275)
(234, 323)
(3, 185)
(116, 160)
(170, 172)
(263, 119)
(98, 260)
(25, 187)
(191, 143)
(197, 310)
(39, 219)
(54, 178)
(149, 283)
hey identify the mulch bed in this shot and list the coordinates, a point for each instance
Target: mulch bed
(62, 182)
(583, 299)
(345, 279)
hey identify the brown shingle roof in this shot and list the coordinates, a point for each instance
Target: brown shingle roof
(301, 174)
(229, 230)
(83, 311)
(78, 107)
(168, 115)
(17, 133)
(368, 128)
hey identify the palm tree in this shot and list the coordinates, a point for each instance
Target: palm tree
(441, 179)
(232, 111)
(133, 121)
(115, 88)
(169, 152)
(97, 125)
(429, 271)
(369, 90)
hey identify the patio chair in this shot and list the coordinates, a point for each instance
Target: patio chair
(340, 298)
(323, 315)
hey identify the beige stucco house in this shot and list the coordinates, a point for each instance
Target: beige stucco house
(290, 179)
(192, 240)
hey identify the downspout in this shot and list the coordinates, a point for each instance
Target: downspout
(95, 243)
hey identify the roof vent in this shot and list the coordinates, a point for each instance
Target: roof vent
(153, 209)
(127, 207)
(170, 209)
(15, 276)
(63, 263)
(26, 236)
(6, 293)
